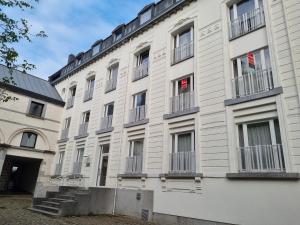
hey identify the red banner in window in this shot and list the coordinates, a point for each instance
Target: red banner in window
(251, 62)
(184, 84)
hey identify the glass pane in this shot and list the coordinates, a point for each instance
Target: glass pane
(241, 135)
(259, 134)
(145, 16)
(138, 148)
(105, 149)
(109, 110)
(277, 132)
(141, 99)
(185, 38)
(36, 109)
(245, 6)
(73, 91)
(184, 142)
(87, 117)
(184, 85)
(267, 58)
(144, 58)
(28, 140)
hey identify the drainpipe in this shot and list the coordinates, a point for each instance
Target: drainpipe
(120, 157)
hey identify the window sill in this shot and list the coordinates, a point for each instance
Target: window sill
(188, 175)
(36, 117)
(62, 140)
(133, 124)
(113, 89)
(86, 100)
(264, 176)
(133, 175)
(140, 78)
(81, 136)
(181, 113)
(103, 131)
(235, 101)
(185, 59)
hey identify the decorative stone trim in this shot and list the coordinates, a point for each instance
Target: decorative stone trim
(180, 175)
(81, 136)
(62, 140)
(273, 92)
(133, 175)
(264, 176)
(133, 124)
(103, 131)
(182, 113)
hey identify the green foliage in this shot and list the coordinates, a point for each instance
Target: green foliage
(12, 31)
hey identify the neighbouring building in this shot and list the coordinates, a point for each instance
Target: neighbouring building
(29, 128)
(188, 114)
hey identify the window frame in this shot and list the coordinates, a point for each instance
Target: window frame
(135, 99)
(174, 140)
(131, 147)
(106, 109)
(32, 133)
(146, 16)
(175, 84)
(28, 113)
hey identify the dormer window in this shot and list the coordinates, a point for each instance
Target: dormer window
(146, 16)
(118, 35)
(96, 49)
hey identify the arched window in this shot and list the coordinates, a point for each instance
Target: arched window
(28, 140)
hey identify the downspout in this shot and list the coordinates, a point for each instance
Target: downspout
(120, 157)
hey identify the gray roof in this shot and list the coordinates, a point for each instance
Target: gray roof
(31, 85)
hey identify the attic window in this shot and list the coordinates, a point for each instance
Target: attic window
(96, 49)
(118, 35)
(146, 16)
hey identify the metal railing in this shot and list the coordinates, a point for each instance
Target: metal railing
(140, 71)
(83, 128)
(134, 164)
(106, 122)
(64, 134)
(183, 162)
(111, 84)
(58, 169)
(70, 102)
(253, 82)
(182, 102)
(261, 158)
(77, 168)
(88, 94)
(183, 52)
(137, 114)
(246, 23)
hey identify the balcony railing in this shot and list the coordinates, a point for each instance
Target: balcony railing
(252, 83)
(83, 129)
(140, 71)
(64, 134)
(134, 164)
(70, 102)
(58, 169)
(88, 94)
(137, 114)
(77, 168)
(246, 23)
(261, 158)
(183, 52)
(106, 123)
(111, 84)
(183, 162)
(182, 102)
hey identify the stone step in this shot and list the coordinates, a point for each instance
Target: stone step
(47, 213)
(51, 203)
(59, 200)
(47, 208)
(68, 197)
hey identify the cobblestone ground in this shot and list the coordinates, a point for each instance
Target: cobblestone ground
(13, 211)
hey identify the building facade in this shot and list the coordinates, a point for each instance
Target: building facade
(197, 101)
(29, 128)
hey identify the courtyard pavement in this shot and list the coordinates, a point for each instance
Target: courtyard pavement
(13, 211)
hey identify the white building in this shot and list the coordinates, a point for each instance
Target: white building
(29, 128)
(196, 100)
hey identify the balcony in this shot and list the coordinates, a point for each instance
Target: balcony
(182, 52)
(261, 158)
(247, 23)
(77, 168)
(58, 169)
(105, 125)
(182, 162)
(64, 134)
(88, 95)
(182, 104)
(70, 102)
(111, 85)
(82, 131)
(140, 72)
(134, 164)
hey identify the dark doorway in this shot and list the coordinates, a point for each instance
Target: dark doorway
(19, 174)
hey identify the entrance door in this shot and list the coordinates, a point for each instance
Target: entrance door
(103, 164)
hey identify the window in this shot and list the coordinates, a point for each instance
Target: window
(139, 100)
(111, 82)
(142, 65)
(134, 163)
(143, 58)
(73, 91)
(183, 157)
(109, 109)
(71, 99)
(96, 49)
(183, 45)
(260, 146)
(90, 89)
(86, 117)
(78, 161)
(252, 73)
(67, 123)
(183, 85)
(36, 109)
(65, 130)
(28, 140)
(146, 16)
(118, 35)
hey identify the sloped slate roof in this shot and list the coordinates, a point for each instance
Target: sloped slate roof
(31, 85)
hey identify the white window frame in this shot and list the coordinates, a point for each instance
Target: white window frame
(106, 109)
(146, 16)
(110, 71)
(176, 37)
(176, 86)
(84, 116)
(175, 148)
(234, 6)
(135, 98)
(131, 147)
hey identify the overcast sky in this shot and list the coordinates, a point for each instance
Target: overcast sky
(72, 26)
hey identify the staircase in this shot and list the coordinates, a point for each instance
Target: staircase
(68, 201)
